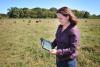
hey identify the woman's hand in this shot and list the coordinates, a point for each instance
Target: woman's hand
(53, 51)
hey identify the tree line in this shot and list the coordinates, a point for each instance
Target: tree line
(38, 12)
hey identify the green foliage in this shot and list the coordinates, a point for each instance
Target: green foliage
(38, 12)
(3, 16)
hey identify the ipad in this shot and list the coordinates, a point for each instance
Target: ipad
(46, 44)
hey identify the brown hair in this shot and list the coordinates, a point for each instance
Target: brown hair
(65, 11)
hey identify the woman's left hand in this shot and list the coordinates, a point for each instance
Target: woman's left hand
(53, 51)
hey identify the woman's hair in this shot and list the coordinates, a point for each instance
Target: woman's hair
(65, 11)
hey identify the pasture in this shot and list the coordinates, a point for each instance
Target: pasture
(20, 42)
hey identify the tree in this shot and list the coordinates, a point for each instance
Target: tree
(13, 12)
(86, 15)
(26, 12)
(38, 12)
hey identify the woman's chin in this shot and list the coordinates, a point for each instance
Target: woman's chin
(61, 24)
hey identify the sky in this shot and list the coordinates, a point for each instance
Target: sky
(91, 6)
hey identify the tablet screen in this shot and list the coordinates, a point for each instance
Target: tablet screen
(46, 44)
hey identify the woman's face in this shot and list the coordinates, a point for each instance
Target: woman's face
(62, 19)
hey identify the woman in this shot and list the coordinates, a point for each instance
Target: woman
(67, 39)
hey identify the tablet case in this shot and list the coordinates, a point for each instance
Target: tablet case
(46, 44)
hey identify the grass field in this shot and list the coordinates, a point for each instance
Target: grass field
(20, 42)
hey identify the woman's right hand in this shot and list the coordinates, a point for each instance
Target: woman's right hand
(53, 51)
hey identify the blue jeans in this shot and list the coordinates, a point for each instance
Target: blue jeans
(70, 63)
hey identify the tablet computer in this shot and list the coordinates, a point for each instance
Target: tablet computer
(46, 44)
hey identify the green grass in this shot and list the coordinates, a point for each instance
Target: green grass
(20, 42)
